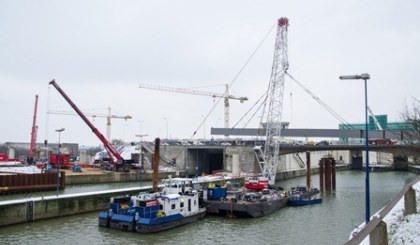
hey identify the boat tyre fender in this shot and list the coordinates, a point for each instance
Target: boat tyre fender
(160, 214)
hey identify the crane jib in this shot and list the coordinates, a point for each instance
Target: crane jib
(111, 151)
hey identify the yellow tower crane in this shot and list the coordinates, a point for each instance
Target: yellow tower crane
(94, 115)
(225, 95)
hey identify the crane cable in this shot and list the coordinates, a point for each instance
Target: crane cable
(331, 111)
(235, 77)
(252, 107)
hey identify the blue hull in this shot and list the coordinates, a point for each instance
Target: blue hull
(303, 202)
(169, 224)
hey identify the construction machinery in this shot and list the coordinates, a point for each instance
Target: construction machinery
(116, 161)
(269, 157)
(32, 144)
(108, 117)
(225, 95)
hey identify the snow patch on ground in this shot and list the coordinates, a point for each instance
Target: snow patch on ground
(401, 229)
(404, 230)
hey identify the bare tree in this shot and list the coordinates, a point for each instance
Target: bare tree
(411, 116)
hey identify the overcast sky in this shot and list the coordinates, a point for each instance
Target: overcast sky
(99, 52)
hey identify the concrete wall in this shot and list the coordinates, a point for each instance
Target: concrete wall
(111, 177)
(37, 209)
(247, 158)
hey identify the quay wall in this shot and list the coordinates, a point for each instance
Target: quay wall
(20, 211)
(33, 209)
(302, 172)
(111, 177)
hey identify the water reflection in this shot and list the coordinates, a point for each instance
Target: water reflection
(328, 223)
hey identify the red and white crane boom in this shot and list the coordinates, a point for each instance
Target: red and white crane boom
(32, 144)
(111, 151)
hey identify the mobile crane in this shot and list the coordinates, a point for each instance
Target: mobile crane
(32, 144)
(116, 160)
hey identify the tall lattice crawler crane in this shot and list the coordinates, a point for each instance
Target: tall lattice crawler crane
(268, 158)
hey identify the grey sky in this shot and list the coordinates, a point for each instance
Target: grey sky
(99, 51)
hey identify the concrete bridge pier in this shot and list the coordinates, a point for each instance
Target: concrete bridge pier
(400, 162)
(356, 159)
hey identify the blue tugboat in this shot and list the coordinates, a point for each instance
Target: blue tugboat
(300, 196)
(177, 204)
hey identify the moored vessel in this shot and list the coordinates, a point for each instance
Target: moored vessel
(300, 196)
(177, 204)
(254, 200)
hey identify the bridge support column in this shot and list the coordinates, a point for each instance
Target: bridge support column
(356, 160)
(327, 174)
(400, 162)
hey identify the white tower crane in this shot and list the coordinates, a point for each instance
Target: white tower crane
(225, 95)
(107, 116)
(269, 159)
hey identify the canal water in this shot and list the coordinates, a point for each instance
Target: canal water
(328, 223)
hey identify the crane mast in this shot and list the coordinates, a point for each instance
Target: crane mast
(111, 151)
(225, 95)
(269, 161)
(34, 130)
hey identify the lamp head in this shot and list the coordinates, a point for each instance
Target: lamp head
(363, 76)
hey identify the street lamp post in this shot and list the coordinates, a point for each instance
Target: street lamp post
(365, 77)
(59, 156)
(166, 128)
(140, 152)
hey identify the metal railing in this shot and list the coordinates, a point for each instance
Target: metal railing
(377, 218)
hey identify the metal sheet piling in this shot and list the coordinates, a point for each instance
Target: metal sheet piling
(327, 174)
(156, 158)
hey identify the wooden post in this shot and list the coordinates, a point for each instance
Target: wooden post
(321, 174)
(327, 162)
(333, 173)
(156, 158)
(308, 170)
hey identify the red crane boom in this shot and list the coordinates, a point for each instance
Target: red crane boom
(111, 151)
(32, 144)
